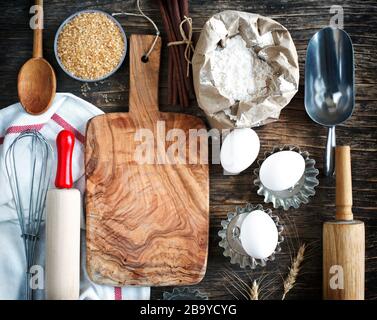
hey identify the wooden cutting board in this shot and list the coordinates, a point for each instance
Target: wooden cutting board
(147, 221)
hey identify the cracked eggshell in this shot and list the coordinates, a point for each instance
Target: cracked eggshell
(239, 150)
(282, 170)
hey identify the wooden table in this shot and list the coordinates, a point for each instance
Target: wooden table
(303, 19)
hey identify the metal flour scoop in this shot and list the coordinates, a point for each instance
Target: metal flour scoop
(329, 84)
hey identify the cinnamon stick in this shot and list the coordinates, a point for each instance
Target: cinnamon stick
(172, 51)
(173, 86)
(173, 18)
(176, 20)
(179, 86)
(179, 67)
(185, 12)
(170, 79)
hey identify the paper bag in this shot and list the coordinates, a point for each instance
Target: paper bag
(272, 43)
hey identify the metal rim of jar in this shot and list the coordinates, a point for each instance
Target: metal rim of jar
(71, 17)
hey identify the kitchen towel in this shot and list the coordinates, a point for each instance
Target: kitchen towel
(67, 112)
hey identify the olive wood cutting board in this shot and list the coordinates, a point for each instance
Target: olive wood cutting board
(147, 221)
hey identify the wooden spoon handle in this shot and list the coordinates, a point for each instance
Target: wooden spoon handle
(38, 31)
(343, 183)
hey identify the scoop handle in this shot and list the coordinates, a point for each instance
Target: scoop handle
(38, 32)
(328, 169)
(343, 183)
(65, 142)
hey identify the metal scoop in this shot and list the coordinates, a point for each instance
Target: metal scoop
(329, 84)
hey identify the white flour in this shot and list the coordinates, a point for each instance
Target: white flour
(238, 73)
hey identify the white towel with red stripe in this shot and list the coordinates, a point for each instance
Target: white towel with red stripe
(67, 112)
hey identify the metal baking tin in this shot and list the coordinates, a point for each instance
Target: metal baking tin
(231, 243)
(296, 195)
(184, 294)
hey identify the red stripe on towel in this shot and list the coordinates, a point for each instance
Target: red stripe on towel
(117, 293)
(65, 125)
(19, 129)
(58, 119)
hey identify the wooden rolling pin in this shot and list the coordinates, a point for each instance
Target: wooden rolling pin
(63, 228)
(343, 240)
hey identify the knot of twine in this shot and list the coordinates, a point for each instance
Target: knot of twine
(186, 39)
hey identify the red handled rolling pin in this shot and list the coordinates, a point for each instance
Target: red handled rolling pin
(343, 240)
(63, 227)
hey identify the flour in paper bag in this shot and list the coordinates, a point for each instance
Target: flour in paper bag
(238, 73)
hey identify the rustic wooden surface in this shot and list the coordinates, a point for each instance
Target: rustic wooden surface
(303, 19)
(154, 217)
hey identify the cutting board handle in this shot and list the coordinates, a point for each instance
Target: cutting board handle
(343, 183)
(144, 76)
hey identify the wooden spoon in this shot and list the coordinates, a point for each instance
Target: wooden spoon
(36, 80)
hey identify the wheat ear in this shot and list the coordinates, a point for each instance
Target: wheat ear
(254, 291)
(294, 270)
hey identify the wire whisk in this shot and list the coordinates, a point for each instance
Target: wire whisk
(29, 162)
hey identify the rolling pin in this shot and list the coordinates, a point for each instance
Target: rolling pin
(63, 227)
(343, 240)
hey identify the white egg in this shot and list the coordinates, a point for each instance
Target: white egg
(239, 150)
(282, 170)
(259, 235)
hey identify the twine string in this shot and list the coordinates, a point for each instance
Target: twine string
(186, 40)
(143, 15)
